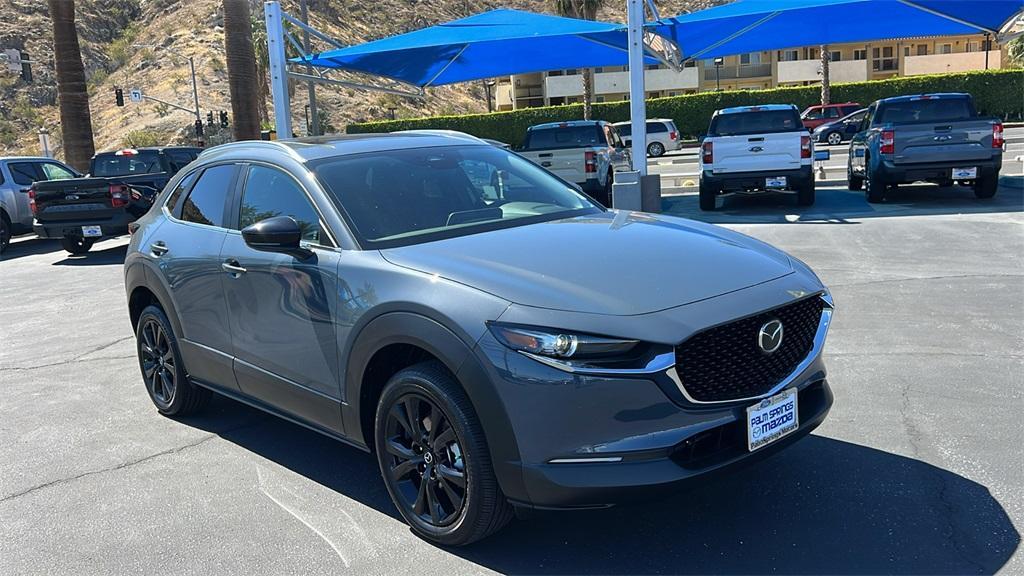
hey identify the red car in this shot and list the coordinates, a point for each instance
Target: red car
(818, 115)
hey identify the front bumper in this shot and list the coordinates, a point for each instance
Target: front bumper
(589, 441)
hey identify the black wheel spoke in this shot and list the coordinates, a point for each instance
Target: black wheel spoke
(404, 469)
(396, 449)
(421, 497)
(452, 475)
(434, 422)
(167, 382)
(147, 337)
(432, 503)
(412, 412)
(443, 439)
(397, 413)
(454, 498)
(149, 369)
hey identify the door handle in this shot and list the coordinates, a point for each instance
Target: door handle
(158, 248)
(232, 267)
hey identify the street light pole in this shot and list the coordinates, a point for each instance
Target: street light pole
(718, 74)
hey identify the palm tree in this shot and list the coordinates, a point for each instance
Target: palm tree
(75, 120)
(587, 10)
(826, 82)
(259, 44)
(241, 60)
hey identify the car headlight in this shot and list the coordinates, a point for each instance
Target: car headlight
(558, 344)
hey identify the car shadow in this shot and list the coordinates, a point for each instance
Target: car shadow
(835, 203)
(822, 506)
(30, 245)
(108, 256)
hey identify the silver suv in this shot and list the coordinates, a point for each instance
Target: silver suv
(491, 335)
(17, 173)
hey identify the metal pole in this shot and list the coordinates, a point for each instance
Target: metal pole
(195, 89)
(986, 49)
(278, 75)
(314, 126)
(637, 104)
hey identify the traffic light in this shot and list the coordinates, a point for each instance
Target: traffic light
(119, 96)
(199, 128)
(209, 118)
(223, 119)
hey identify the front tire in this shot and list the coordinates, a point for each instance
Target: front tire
(856, 182)
(655, 149)
(163, 370)
(434, 458)
(5, 233)
(77, 245)
(985, 187)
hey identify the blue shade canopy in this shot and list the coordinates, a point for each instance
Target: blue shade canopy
(495, 43)
(755, 25)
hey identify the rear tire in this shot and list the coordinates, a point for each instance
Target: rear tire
(805, 194)
(163, 370)
(708, 197)
(655, 149)
(607, 200)
(985, 187)
(434, 458)
(875, 189)
(77, 245)
(856, 182)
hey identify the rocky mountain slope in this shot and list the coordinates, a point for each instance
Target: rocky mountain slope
(147, 43)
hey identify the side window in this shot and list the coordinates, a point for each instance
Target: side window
(813, 114)
(183, 185)
(832, 113)
(55, 171)
(270, 192)
(205, 203)
(179, 158)
(23, 173)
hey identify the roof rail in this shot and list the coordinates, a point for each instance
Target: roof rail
(243, 144)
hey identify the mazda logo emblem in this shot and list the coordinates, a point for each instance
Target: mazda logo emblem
(428, 457)
(769, 337)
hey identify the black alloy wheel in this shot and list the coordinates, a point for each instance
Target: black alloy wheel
(425, 461)
(159, 368)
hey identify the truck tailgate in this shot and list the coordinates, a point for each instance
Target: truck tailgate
(74, 199)
(757, 153)
(965, 140)
(566, 164)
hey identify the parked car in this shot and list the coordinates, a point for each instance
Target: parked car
(119, 188)
(586, 152)
(841, 130)
(474, 338)
(17, 173)
(937, 138)
(756, 148)
(815, 116)
(662, 136)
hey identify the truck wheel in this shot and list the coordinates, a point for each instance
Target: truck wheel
(77, 245)
(856, 182)
(875, 189)
(655, 149)
(805, 194)
(985, 186)
(708, 197)
(5, 232)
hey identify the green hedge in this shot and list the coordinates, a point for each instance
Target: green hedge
(996, 93)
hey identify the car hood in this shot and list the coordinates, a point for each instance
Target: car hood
(615, 262)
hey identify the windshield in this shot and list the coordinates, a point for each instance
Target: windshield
(759, 122)
(142, 162)
(400, 197)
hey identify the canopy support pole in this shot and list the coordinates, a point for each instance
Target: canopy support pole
(325, 80)
(278, 73)
(637, 103)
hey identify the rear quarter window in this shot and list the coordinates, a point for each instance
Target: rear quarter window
(758, 122)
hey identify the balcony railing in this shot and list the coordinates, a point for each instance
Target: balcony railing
(741, 71)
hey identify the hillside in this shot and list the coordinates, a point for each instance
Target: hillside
(146, 43)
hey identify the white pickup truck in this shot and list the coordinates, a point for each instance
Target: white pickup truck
(756, 149)
(586, 152)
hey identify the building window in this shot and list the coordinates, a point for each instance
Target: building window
(835, 56)
(789, 55)
(860, 54)
(906, 50)
(671, 93)
(625, 96)
(883, 60)
(598, 70)
(570, 72)
(973, 46)
(600, 99)
(750, 59)
(946, 49)
(652, 67)
(922, 49)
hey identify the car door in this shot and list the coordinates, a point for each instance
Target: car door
(282, 308)
(186, 251)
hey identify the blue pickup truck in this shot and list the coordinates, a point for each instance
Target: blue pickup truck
(936, 138)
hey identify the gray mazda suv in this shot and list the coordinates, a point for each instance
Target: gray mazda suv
(493, 336)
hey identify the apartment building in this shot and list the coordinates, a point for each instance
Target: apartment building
(757, 70)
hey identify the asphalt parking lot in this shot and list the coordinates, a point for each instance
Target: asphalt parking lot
(916, 470)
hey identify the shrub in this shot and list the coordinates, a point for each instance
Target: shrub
(142, 139)
(996, 93)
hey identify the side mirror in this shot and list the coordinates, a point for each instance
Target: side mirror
(278, 234)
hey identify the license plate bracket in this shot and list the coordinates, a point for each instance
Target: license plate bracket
(772, 419)
(969, 173)
(92, 231)
(775, 182)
